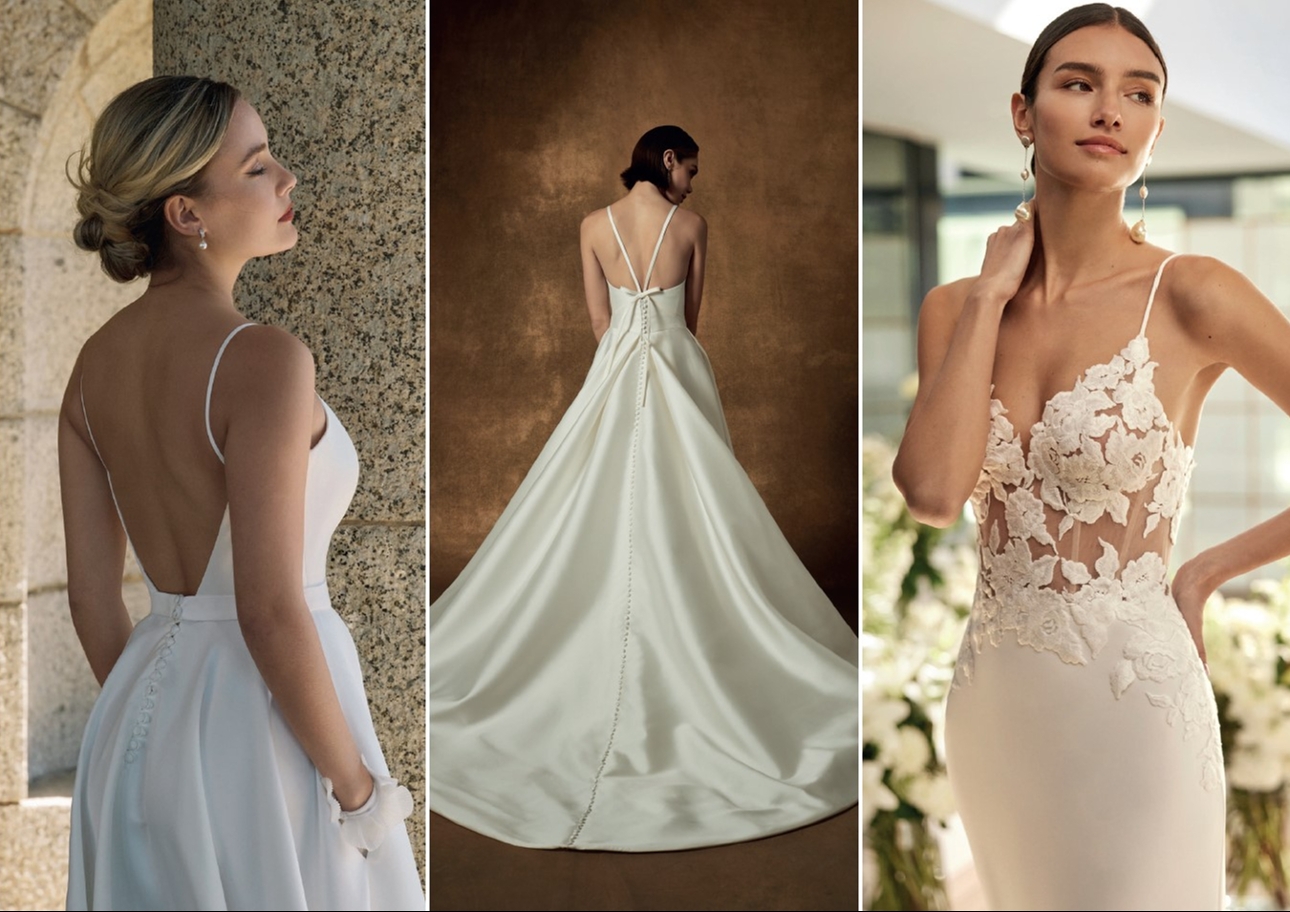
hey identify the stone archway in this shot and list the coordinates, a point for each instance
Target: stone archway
(63, 63)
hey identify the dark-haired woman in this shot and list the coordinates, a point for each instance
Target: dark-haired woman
(230, 761)
(635, 659)
(1060, 391)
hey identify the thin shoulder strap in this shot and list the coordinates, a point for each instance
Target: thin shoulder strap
(86, 416)
(619, 238)
(659, 243)
(210, 386)
(1151, 298)
(111, 487)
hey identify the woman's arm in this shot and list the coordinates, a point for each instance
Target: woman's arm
(694, 278)
(1232, 323)
(943, 447)
(264, 397)
(95, 540)
(593, 279)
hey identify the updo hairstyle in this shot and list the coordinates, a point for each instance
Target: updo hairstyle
(1081, 17)
(150, 143)
(647, 157)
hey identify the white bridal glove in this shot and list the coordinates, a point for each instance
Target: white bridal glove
(365, 827)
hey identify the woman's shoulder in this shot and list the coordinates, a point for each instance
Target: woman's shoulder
(1200, 289)
(944, 303)
(263, 353)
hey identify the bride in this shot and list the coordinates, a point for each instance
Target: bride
(635, 659)
(1060, 392)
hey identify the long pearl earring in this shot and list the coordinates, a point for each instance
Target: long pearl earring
(201, 232)
(1022, 212)
(1138, 233)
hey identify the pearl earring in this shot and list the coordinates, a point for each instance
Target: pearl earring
(201, 232)
(1138, 233)
(1022, 212)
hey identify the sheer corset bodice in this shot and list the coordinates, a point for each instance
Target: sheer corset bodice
(1075, 527)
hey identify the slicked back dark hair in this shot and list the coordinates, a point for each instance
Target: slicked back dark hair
(647, 157)
(1078, 18)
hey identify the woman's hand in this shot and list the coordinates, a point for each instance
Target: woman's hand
(1007, 256)
(1191, 589)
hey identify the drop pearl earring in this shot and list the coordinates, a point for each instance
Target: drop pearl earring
(1022, 212)
(1138, 233)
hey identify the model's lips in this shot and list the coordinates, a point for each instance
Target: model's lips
(289, 214)
(1102, 144)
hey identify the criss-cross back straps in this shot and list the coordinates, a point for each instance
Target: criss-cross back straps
(658, 244)
(210, 386)
(1151, 298)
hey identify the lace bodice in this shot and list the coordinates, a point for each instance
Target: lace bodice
(1076, 527)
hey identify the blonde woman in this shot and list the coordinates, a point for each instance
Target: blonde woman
(230, 761)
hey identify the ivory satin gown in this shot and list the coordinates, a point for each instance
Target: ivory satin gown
(1082, 734)
(635, 659)
(191, 791)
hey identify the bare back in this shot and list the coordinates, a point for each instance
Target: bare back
(639, 226)
(146, 397)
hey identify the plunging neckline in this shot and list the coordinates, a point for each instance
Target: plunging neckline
(1126, 357)
(1081, 380)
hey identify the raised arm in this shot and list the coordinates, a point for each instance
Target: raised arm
(95, 540)
(1232, 324)
(943, 447)
(264, 401)
(593, 278)
(694, 278)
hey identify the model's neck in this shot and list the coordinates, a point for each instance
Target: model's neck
(1079, 237)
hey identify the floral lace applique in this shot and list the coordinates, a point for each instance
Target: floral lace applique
(1095, 452)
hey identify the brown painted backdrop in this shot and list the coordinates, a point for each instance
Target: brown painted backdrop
(534, 109)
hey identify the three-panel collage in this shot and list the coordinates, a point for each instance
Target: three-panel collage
(658, 455)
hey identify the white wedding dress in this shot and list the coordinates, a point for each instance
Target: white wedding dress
(191, 791)
(635, 659)
(1082, 736)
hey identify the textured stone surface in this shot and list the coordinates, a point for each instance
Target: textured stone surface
(117, 53)
(46, 553)
(60, 687)
(13, 572)
(535, 108)
(343, 101)
(12, 334)
(341, 90)
(13, 699)
(18, 131)
(377, 577)
(68, 298)
(38, 37)
(33, 853)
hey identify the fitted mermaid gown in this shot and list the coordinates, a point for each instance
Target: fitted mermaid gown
(635, 659)
(1082, 736)
(191, 791)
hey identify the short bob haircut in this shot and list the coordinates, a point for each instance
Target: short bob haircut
(1081, 17)
(150, 143)
(647, 157)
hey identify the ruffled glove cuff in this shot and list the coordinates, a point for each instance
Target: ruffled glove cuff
(365, 827)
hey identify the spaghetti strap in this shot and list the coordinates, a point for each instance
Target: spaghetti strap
(111, 487)
(657, 245)
(210, 386)
(1151, 298)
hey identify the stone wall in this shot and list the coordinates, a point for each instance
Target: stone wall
(61, 64)
(341, 90)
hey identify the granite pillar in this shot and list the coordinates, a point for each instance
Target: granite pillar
(340, 88)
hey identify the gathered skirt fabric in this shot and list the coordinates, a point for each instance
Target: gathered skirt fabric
(635, 659)
(192, 792)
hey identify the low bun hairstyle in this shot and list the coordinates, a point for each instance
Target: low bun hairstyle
(647, 157)
(151, 142)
